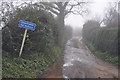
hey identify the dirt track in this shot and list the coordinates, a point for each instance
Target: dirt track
(78, 62)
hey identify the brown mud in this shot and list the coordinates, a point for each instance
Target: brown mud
(78, 61)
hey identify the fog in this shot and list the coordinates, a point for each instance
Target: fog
(96, 9)
(72, 44)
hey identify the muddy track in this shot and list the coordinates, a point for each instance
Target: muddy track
(78, 62)
(55, 71)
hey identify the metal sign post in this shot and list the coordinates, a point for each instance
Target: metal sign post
(26, 25)
(23, 43)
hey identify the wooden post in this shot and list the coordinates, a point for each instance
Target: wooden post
(23, 43)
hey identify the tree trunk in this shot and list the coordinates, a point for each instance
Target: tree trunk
(61, 28)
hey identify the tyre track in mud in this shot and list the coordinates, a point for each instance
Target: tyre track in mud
(78, 61)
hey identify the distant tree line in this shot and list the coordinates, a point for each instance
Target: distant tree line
(45, 36)
(41, 40)
(106, 38)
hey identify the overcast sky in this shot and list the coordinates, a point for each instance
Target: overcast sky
(97, 8)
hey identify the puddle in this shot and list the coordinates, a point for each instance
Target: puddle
(78, 59)
(64, 76)
(81, 63)
(68, 64)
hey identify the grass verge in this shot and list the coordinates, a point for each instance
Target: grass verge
(29, 66)
(105, 55)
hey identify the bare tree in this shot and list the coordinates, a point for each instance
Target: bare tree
(7, 11)
(62, 9)
(111, 17)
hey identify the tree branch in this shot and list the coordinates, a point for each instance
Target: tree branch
(65, 4)
(59, 4)
(55, 12)
(50, 5)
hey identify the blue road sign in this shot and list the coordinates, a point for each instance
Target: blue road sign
(27, 25)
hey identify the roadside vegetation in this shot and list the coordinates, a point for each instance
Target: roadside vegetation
(103, 40)
(29, 66)
(42, 46)
(104, 55)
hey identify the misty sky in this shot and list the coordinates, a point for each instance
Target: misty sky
(97, 8)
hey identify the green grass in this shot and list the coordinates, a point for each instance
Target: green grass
(105, 55)
(30, 66)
